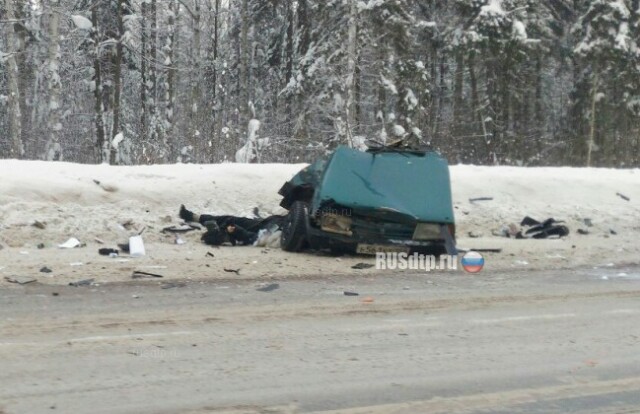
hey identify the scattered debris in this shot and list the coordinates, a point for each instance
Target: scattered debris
(179, 241)
(173, 285)
(40, 246)
(481, 250)
(475, 234)
(98, 240)
(473, 200)
(136, 246)
(21, 280)
(510, 230)
(55, 294)
(138, 274)
(583, 232)
(105, 251)
(542, 230)
(209, 254)
(362, 266)
(85, 282)
(269, 288)
(351, 293)
(70, 244)
(124, 247)
(39, 224)
(236, 271)
(613, 232)
(45, 269)
(588, 222)
(624, 197)
(24, 252)
(185, 228)
(367, 299)
(76, 264)
(503, 232)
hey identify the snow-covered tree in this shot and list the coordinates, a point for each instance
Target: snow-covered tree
(608, 94)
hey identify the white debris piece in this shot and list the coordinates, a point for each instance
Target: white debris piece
(70, 244)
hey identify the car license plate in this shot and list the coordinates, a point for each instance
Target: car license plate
(376, 248)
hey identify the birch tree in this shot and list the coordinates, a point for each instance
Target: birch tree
(9, 57)
(53, 149)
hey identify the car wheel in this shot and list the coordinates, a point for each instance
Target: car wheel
(294, 228)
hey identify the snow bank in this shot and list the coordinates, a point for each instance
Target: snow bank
(98, 195)
(562, 193)
(110, 203)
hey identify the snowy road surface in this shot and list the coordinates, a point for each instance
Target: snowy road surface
(529, 342)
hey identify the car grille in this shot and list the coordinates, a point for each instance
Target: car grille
(371, 230)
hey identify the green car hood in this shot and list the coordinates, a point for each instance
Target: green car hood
(415, 186)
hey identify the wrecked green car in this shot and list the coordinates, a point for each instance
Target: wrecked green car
(382, 200)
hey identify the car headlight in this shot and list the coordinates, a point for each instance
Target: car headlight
(335, 223)
(427, 231)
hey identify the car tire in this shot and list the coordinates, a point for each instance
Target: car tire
(294, 228)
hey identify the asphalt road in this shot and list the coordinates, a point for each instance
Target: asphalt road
(522, 342)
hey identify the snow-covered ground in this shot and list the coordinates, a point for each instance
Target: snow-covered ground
(111, 203)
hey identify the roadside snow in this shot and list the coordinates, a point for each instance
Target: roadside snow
(111, 203)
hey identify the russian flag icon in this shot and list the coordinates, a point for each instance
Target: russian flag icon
(472, 262)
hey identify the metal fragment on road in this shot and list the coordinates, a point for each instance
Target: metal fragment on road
(269, 288)
(138, 274)
(361, 266)
(21, 280)
(85, 282)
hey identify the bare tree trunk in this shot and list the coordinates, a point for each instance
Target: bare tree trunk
(358, 96)
(15, 114)
(352, 47)
(216, 24)
(144, 133)
(53, 148)
(152, 93)
(28, 73)
(592, 119)
(290, 58)
(194, 133)
(244, 63)
(458, 101)
(102, 146)
(539, 105)
(174, 8)
(117, 87)
(217, 113)
(148, 91)
(290, 34)
(300, 129)
(477, 109)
